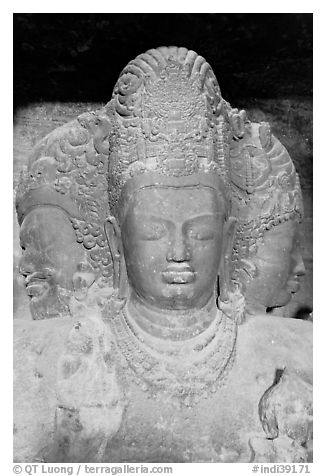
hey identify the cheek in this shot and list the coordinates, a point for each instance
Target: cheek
(274, 259)
(61, 276)
(41, 259)
(63, 264)
(60, 260)
(206, 255)
(145, 258)
(272, 276)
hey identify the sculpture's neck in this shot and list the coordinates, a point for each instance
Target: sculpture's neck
(182, 353)
(171, 324)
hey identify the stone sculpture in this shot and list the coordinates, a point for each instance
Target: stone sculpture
(157, 371)
(50, 259)
(267, 202)
(66, 178)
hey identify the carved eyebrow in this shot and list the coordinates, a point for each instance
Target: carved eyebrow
(186, 222)
(155, 218)
(199, 217)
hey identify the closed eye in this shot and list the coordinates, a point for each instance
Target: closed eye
(202, 228)
(152, 231)
(202, 233)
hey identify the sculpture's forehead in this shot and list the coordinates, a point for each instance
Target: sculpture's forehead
(46, 226)
(177, 202)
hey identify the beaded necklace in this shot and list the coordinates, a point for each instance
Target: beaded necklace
(188, 369)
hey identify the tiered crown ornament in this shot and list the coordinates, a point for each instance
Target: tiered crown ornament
(169, 118)
(265, 190)
(171, 127)
(68, 169)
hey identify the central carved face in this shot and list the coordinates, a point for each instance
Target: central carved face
(172, 241)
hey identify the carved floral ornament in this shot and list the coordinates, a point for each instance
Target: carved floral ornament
(171, 126)
(265, 189)
(166, 116)
(263, 177)
(68, 169)
(155, 343)
(166, 113)
(169, 117)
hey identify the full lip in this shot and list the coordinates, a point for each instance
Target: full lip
(179, 274)
(36, 284)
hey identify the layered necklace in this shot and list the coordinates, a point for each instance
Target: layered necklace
(186, 362)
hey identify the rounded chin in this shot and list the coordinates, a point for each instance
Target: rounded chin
(282, 300)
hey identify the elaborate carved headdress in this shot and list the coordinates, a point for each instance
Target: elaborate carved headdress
(265, 188)
(170, 125)
(68, 169)
(166, 116)
(169, 118)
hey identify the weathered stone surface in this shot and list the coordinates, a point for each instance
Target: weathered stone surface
(291, 122)
(77, 406)
(160, 429)
(165, 364)
(64, 187)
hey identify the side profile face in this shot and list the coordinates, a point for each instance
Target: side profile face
(279, 265)
(49, 260)
(172, 241)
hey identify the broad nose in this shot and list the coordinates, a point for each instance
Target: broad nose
(178, 249)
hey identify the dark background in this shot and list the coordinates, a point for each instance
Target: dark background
(78, 57)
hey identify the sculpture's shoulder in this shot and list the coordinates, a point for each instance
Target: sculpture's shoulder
(40, 337)
(271, 324)
(44, 343)
(278, 341)
(37, 349)
(37, 346)
(64, 383)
